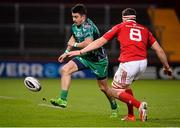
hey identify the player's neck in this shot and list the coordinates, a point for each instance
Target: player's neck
(83, 21)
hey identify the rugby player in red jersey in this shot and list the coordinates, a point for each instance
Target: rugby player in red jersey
(134, 39)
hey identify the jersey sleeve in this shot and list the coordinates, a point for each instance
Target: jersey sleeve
(111, 33)
(151, 39)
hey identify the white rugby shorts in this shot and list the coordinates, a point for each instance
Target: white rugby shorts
(129, 71)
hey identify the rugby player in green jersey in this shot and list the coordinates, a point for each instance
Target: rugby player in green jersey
(84, 31)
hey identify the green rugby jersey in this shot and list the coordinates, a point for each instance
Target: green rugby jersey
(89, 30)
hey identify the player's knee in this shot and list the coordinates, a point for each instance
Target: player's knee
(64, 70)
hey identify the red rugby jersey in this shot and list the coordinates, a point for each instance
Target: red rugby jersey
(133, 38)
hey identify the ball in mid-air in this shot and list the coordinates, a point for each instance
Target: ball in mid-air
(32, 84)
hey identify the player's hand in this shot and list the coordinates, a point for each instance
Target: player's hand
(168, 71)
(62, 57)
(74, 53)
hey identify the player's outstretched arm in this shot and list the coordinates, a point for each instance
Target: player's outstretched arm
(92, 46)
(83, 44)
(74, 53)
(163, 58)
(64, 55)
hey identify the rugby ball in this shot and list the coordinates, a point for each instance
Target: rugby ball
(32, 84)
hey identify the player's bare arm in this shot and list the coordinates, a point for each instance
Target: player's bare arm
(92, 46)
(162, 56)
(64, 55)
(83, 44)
(71, 41)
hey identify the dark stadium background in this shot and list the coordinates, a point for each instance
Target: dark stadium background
(159, 3)
(33, 33)
(33, 30)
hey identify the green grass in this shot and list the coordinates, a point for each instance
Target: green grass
(87, 106)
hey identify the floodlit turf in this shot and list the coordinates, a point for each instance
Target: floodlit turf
(87, 106)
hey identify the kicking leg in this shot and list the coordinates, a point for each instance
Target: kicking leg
(66, 72)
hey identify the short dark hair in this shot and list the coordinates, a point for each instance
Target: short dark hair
(128, 11)
(79, 8)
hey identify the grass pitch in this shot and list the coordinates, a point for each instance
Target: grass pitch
(87, 106)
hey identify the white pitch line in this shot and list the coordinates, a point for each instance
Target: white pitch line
(50, 106)
(7, 97)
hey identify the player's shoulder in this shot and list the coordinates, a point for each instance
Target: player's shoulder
(137, 25)
(142, 26)
(73, 25)
(88, 24)
(117, 26)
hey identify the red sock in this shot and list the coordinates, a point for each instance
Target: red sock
(130, 106)
(127, 98)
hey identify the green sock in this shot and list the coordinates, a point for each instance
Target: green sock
(64, 94)
(113, 104)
